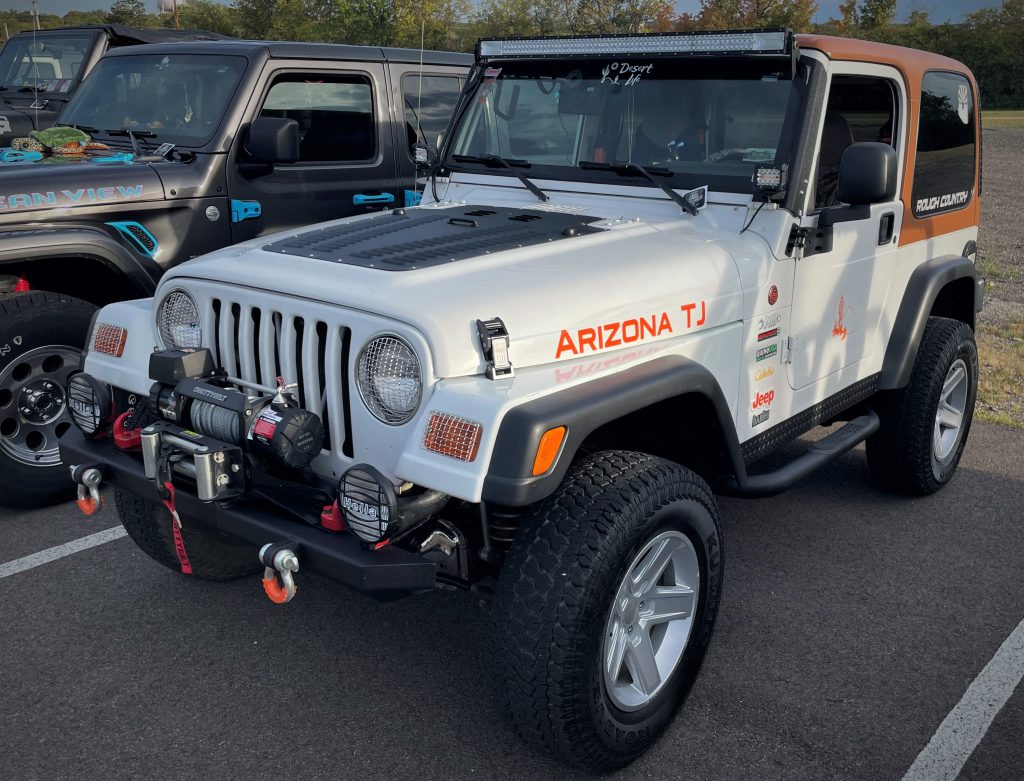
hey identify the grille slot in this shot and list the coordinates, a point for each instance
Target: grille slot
(258, 345)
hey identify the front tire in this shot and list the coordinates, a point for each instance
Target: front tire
(925, 425)
(605, 608)
(41, 340)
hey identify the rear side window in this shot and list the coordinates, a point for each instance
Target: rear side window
(429, 103)
(944, 170)
(335, 115)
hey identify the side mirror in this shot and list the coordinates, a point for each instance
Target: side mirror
(867, 174)
(273, 140)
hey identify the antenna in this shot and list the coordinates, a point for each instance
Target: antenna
(419, 97)
(35, 65)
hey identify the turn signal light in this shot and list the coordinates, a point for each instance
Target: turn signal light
(109, 339)
(452, 436)
(547, 450)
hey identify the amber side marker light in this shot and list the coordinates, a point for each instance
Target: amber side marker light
(452, 436)
(548, 449)
(109, 339)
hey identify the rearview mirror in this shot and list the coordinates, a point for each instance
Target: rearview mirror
(867, 174)
(273, 140)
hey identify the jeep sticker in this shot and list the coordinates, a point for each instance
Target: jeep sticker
(763, 399)
(87, 195)
(768, 351)
(940, 202)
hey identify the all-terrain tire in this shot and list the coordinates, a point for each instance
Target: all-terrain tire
(41, 341)
(555, 596)
(904, 454)
(212, 558)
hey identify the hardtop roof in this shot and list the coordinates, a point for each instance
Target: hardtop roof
(124, 35)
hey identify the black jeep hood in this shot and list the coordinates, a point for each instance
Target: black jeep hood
(17, 120)
(59, 183)
(403, 240)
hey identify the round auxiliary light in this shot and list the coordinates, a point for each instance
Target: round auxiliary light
(89, 402)
(368, 503)
(389, 379)
(177, 319)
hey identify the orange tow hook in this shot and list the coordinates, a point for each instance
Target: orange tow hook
(278, 581)
(89, 499)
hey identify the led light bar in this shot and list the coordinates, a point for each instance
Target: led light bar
(776, 41)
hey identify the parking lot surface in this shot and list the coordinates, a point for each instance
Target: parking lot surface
(852, 623)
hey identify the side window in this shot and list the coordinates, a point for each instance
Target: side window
(944, 169)
(429, 103)
(335, 115)
(860, 108)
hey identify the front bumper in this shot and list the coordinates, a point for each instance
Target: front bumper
(387, 573)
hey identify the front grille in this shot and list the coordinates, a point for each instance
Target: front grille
(258, 345)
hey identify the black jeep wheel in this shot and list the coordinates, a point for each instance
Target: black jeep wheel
(925, 425)
(605, 608)
(41, 340)
(148, 523)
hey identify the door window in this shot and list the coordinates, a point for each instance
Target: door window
(335, 115)
(860, 108)
(429, 103)
(944, 168)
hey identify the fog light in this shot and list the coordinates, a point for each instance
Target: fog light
(452, 436)
(368, 502)
(90, 403)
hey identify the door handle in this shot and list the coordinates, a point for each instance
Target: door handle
(363, 200)
(885, 228)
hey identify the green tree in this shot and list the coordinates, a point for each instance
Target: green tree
(254, 17)
(206, 15)
(130, 12)
(876, 15)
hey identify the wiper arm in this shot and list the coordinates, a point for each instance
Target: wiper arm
(133, 136)
(510, 164)
(83, 128)
(648, 172)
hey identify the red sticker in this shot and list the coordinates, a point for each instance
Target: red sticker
(773, 295)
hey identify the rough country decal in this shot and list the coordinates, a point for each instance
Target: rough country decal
(769, 351)
(80, 197)
(941, 202)
(626, 332)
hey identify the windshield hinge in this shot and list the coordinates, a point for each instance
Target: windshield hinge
(797, 241)
(494, 341)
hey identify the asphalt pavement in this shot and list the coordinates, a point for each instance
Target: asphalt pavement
(852, 622)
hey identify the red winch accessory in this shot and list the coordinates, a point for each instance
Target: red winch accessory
(126, 438)
(22, 286)
(179, 541)
(330, 518)
(87, 504)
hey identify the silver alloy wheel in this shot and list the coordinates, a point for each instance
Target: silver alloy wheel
(651, 619)
(33, 408)
(949, 417)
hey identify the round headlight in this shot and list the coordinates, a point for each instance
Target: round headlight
(177, 319)
(89, 402)
(388, 378)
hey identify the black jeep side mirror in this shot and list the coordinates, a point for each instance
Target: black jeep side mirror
(273, 140)
(867, 174)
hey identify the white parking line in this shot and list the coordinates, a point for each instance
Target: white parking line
(60, 551)
(962, 730)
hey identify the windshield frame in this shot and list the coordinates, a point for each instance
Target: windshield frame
(789, 150)
(213, 141)
(88, 58)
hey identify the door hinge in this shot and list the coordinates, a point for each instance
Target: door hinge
(494, 341)
(788, 350)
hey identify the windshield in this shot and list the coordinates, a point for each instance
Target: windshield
(178, 98)
(698, 121)
(48, 64)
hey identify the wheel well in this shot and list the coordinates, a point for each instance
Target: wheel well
(87, 278)
(684, 429)
(956, 301)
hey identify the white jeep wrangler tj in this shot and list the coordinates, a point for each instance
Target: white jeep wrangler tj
(642, 264)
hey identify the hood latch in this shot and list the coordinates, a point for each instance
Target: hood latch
(494, 341)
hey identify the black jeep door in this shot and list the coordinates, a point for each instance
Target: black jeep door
(346, 160)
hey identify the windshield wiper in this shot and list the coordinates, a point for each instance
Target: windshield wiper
(133, 136)
(648, 172)
(83, 128)
(505, 162)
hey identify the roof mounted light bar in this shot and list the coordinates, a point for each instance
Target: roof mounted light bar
(735, 42)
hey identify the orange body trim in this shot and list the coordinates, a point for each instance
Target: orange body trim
(548, 449)
(912, 64)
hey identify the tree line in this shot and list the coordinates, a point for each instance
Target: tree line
(988, 41)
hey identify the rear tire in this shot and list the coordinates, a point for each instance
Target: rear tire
(925, 425)
(41, 341)
(149, 525)
(574, 639)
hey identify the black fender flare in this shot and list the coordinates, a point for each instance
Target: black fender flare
(44, 243)
(584, 408)
(925, 284)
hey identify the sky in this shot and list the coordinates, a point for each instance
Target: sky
(940, 10)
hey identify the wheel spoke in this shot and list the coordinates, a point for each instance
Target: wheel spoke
(642, 663)
(937, 437)
(617, 645)
(667, 603)
(949, 416)
(647, 574)
(956, 376)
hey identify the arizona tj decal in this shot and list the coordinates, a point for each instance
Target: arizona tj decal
(625, 332)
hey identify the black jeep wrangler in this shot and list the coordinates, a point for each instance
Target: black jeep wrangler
(209, 144)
